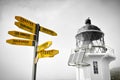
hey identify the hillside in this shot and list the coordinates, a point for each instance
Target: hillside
(115, 73)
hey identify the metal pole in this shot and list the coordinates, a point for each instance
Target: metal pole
(35, 52)
(78, 73)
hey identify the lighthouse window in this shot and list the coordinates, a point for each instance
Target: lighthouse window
(95, 67)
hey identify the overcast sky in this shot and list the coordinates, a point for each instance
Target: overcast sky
(63, 16)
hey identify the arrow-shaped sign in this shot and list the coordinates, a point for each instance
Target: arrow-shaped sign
(20, 42)
(46, 53)
(44, 45)
(26, 27)
(25, 21)
(22, 35)
(47, 31)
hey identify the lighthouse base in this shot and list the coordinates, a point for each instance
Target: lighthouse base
(98, 69)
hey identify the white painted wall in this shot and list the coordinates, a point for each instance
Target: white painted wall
(103, 66)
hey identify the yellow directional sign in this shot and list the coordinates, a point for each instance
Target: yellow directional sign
(22, 35)
(45, 53)
(44, 45)
(25, 21)
(31, 26)
(25, 27)
(48, 31)
(21, 42)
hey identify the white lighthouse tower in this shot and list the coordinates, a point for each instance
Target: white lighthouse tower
(91, 56)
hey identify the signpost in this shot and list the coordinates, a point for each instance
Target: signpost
(35, 53)
(34, 28)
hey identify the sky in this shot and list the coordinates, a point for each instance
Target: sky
(64, 17)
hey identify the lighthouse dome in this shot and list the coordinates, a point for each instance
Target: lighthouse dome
(89, 32)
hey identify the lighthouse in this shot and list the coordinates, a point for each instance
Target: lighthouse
(91, 57)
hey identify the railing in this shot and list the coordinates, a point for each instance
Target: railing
(110, 51)
(77, 55)
(76, 58)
